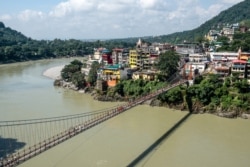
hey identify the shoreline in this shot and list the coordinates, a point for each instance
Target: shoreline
(53, 72)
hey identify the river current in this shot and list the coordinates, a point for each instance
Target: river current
(202, 140)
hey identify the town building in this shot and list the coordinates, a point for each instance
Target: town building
(248, 71)
(198, 57)
(145, 75)
(238, 68)
(97, 54)
(244, 56)
(143, 57)
(112, 74)
(133, 56)
(106, 57)
(212, 35)
(223, 56)
(185, 49)
(228, 32)
(222, 68)
(120, 56)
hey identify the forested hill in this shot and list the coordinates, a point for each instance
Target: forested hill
(9, 36)
(16, 47)
(234, 14)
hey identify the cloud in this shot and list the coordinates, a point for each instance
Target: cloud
(83, 19)
(113, 7)
(70, 6)
(29, 14)
(211, 11)
(147, 3)
(5, 17)
(231, 1)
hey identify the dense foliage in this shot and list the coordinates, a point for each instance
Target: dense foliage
(168, 64)
(135, 88)
(214, 93)
(72, 73)
(92, 77)
(241, 40)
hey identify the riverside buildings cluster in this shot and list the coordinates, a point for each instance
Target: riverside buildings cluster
(139, 63)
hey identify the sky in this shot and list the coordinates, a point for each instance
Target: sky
(107, 19)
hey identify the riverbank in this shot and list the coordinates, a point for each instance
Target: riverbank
(54, 72)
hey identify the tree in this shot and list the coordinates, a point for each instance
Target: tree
(242, 86)
(119, 88)
(174, 96)
(92, 77)
(78, 79)
(68, 71)
(168, 63)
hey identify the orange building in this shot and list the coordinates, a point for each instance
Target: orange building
(244, 56)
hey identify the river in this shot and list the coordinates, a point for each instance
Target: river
(202, 140)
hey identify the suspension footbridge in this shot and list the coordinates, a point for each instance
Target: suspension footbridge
(21, 140)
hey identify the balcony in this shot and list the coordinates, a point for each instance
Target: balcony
(238, 66)
(238, 70)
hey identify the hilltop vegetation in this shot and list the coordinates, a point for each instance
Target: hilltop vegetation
(240, 40)
(16, 47)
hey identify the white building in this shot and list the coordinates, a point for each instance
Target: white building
(223, 56)
(198, 57)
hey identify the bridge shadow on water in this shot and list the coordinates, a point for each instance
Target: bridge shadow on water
(159, 141)
(9, 146)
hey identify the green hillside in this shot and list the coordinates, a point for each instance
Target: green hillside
(16, 47)
(234, 14)
(9, 36)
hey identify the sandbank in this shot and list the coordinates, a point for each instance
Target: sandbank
(54, 72)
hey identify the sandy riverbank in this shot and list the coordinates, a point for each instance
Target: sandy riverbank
(54, 72)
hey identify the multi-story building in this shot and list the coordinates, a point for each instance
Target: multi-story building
(248, 71)
(112, 74)
(117, 56)
(223, 56)
(143, 57)
(244, 56)
(120, 56)
(133, 56)
(212, 35)
(143, 60)
(193, 68)
(228, 32)
(106, 57)
(97, 53)
(185, 49)
(222, 68)
(238, 68)
(198, 57)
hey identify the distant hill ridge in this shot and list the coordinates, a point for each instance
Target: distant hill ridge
(234, 14)
(10, 37)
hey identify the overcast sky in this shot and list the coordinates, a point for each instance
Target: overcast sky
(105, 19)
